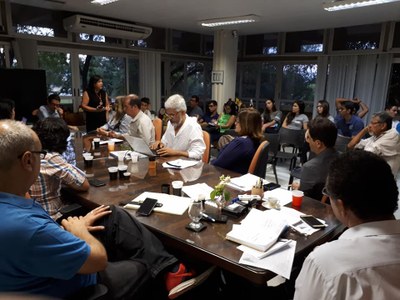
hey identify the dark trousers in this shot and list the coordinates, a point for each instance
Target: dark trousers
(135, 256)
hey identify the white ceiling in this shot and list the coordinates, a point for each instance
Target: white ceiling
(275, 15)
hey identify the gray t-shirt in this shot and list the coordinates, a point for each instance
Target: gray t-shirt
(298, 121)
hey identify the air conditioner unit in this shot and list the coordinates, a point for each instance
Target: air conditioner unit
(91, 25)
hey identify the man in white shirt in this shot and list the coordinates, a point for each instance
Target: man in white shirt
(140, 126)
(364, 263)
(183, 136)
(384, 140)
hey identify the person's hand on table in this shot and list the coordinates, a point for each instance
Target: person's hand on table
(166, 152)
(157, 145)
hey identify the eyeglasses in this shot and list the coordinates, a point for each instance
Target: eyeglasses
(325, 192)
(374, 123)
(171, 116)
(42, 154)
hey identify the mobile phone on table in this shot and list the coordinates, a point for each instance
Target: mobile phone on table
(312, 221)
(146, 207)
(96, 182)
(271, 186)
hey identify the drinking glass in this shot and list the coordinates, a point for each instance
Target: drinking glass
(195, 212)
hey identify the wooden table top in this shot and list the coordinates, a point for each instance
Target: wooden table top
(208, 245)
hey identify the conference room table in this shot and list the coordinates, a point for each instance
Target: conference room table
(208, 246)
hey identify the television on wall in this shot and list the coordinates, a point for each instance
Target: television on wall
(26, 87)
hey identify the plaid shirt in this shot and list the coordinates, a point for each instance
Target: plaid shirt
(54, 171)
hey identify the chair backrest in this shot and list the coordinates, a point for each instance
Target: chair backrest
(273, 140)
(341, 143)
(157, 122)
(258, 164)
(291, 137)
(207, 141)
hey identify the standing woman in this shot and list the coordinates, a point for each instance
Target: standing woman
(323, 110)
(95, 103)
(272, 118)
(296, 119)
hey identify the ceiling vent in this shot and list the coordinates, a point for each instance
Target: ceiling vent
(91, 25)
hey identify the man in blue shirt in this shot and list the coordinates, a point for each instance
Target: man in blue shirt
(37, 256)
(52, 109)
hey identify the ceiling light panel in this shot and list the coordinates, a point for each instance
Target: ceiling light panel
(350, 4)
(229, 21)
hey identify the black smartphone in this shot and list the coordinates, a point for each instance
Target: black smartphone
(271, 186)
(96, 182)
(146, 207)
(312, 221)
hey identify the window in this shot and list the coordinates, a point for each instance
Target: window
(396, 38)
(249, 80)
(365, 37)
(58, 72)
(298, 82)
(305, 41)
(186, 41)
(262, 44)
(110, 68)
(394, 85)
(156, 40)
(133, 76)
(268, 79)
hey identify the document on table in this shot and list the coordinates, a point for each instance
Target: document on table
(126, 154)
(171, 204)
(103, 142)
(284, 196)
(193, 191)
(244, 183)
(292, 217)
(259, 230)
(279, 262)
(180, 164)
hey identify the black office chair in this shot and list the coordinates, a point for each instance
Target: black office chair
(273, 140)
(290, 138)
(341, 143)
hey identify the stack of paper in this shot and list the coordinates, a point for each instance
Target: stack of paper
(103, 142)
(244, 183)
(193, 191)
(259, 230)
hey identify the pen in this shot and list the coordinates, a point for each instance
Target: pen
(208, 217)
(172, 165)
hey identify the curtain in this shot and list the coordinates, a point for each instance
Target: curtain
(150, 78)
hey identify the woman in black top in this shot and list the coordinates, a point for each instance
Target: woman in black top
(95, 103)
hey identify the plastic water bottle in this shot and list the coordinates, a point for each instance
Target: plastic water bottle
(251, 103)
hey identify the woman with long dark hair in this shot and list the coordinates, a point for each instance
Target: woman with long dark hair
(272, 118)
(323, 110)
(95, 103)
(296, 119)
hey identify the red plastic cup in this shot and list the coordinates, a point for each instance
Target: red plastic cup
(297, 198)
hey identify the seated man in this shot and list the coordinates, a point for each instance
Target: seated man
(364, 263)
(40, 257)
(52, 109)
(347, 123)
(384, 140)
(321, 136)
(195, 109)
(145, 107)
(140, 126)
(7, 109)
(183, 136)
(53, 134)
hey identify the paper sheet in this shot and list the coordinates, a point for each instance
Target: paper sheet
(284, 196)
(280, 262)
(180, 164)
(193, 191)
(292, 216)
(173, 205)
(126, 154)
(103, 142)
(244, 183)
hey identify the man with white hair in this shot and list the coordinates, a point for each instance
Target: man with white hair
(183, 136)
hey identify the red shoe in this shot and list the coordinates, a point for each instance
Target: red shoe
(174, 279)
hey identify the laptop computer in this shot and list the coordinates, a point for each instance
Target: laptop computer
(139, 145)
